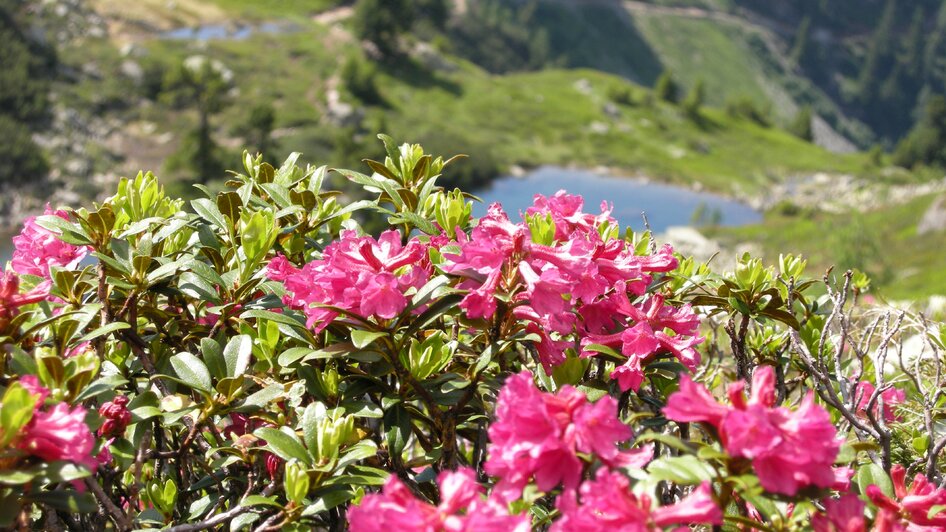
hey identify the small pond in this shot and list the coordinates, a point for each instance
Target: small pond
(226, 32)
(665, 205)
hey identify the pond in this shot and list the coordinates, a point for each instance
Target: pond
(664, 205)
(212, 32)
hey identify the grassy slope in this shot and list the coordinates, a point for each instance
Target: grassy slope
(713, 51)
(883, 242)
(527, 118)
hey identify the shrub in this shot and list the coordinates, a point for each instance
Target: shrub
(255, 360)
(360, 78)
(665, 88)
(800, 126)
(746, 108)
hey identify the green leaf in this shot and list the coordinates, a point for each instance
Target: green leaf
(103, 331)
(15, 412)
(874, 475)
(237, 354)
(192, 371)
(686, 469)
(68, 500)
(209, 211)
(329, 497)
(397, 425)
(284, 445)
(212, 354)
(362, 339)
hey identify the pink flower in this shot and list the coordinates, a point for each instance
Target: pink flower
(273, 464)
(116, 416)
(537, 435)
(60, 434)
(11, 299)
(646, 338)
(891, 397)
(607, 503)
(37, 390)
(78, 349)
(37, 248)
(789, 450)
(359, 275)
(845, 514)
(912, 505)
(462, 509)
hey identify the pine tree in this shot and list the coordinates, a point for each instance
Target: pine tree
(801, 45)
(912, 55)
(694, 100)
(801, 124)
(665, 88)
(878, 52)
(382, 22)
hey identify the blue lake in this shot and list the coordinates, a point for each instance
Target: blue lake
(664, 205)
(216, 32)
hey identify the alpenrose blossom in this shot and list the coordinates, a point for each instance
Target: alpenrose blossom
(912, 506)
(11, 299)
(38, 248)
(462, 508)
(607, 503)
(537, 435)
(789, 449)
(844, 514)
(891, 397)
(359, 275)
(579, 287)
(116, 417)
(60, 434)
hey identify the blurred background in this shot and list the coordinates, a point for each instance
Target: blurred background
(803, 126)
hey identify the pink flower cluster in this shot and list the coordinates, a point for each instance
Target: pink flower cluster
(11, 299)
(359, 275)
(607, 503)
(462, 509)
(116, 417)
(581, 286)
(911, 505)
(789, 449)
(891, 398)
(37, 248)
(538, 435)
(57, 434)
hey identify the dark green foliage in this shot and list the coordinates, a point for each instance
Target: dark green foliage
(879, 52)
(694, 100)
(621, 94)
(198, 156)
(359, 77)
(258, 127)
(204, 85)
(26, 67)
(745, 107)
(500, 38)
(382, 22)
(801, 45)
(800, 126)
(666, 88)
(21, 160)
(926, 143)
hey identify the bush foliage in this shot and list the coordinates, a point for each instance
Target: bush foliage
(254, 360)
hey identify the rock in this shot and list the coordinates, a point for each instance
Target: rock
(583, 86)
(689, 241)
(432, 59)
(611, 110)
(133, 71)
(341, 113)
(934, 219)
(598, 128)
